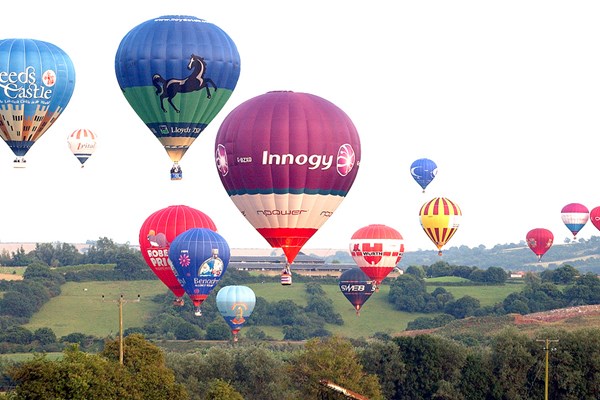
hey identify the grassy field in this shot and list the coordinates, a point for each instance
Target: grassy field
(13, 270)
(81, 308)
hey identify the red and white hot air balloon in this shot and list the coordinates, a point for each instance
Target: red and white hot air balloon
(377, 249)
(287, 160)
(82, 143)
(158, 232)
(575, 216)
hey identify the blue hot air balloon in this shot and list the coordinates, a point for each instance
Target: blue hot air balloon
(357, 287)
(199, 257)
(235, 303)
(177, 72)
(37, 80)
(423, 171)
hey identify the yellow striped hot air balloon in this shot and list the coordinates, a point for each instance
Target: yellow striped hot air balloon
(440, 218)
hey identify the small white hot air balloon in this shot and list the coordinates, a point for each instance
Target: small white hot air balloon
(82, 143)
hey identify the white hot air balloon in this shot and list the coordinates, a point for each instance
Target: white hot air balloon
(82, 143)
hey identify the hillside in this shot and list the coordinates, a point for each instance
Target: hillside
(533, 325)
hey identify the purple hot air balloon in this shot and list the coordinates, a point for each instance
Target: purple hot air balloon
(287, 160)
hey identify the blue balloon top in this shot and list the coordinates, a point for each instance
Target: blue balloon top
(423, 171)
(155, 46)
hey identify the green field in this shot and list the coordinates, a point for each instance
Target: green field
(81, 307)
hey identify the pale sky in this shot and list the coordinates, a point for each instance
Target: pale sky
(503, 96)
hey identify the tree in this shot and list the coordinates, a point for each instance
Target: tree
(186, 331)
(429, 361)
(384, 359)
(82, 376)
(408, 293)
(218, 330)
(463, 307)
(334, 359)
(495, 275)
(511, 361)
(221, 390)
(44, 336)
(17, 305)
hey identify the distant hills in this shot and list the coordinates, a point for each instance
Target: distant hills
(582, 254)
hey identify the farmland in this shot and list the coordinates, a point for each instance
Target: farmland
(81, 307)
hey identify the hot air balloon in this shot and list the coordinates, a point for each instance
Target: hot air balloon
(287, 160)
(235, 303)
(595, 217)
(82, 143)
(539, 241)
(37, 80)
(177, 72)
(377, 249)
(158, 232)
(200, 257)
(440, 219)
(423, 171)
(357, 287)
(574, 216)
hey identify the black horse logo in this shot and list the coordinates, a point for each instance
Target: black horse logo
(168, 88)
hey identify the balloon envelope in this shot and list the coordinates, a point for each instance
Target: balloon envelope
(235, 303)
(157, 233)
(177, 72)
(574, 216)
(287, 160)
(377, 249)
(356, 286)
(82, 143)
(37, 80)
(200, 257)
(539, 241)
(423, 171)
(440, 218)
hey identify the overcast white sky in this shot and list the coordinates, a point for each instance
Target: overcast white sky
(503, 96)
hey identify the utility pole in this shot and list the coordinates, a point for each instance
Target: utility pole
(122, 301)
(547, 349)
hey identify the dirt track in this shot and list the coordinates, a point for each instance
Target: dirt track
(11, 277)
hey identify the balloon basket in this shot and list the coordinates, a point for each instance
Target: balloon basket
(198, 312)
(286, 279)
(176, 173)
(178, 302)
(20, 162)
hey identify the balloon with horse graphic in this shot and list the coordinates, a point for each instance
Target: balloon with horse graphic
(82, 143)
(177, 72)
(377, 249)
(287, 160)
(575, 216)
(539, 241)
(157, 233)
(37, 80)
(236, 303)
(423, 171)
(200, 257)
(356, 286)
